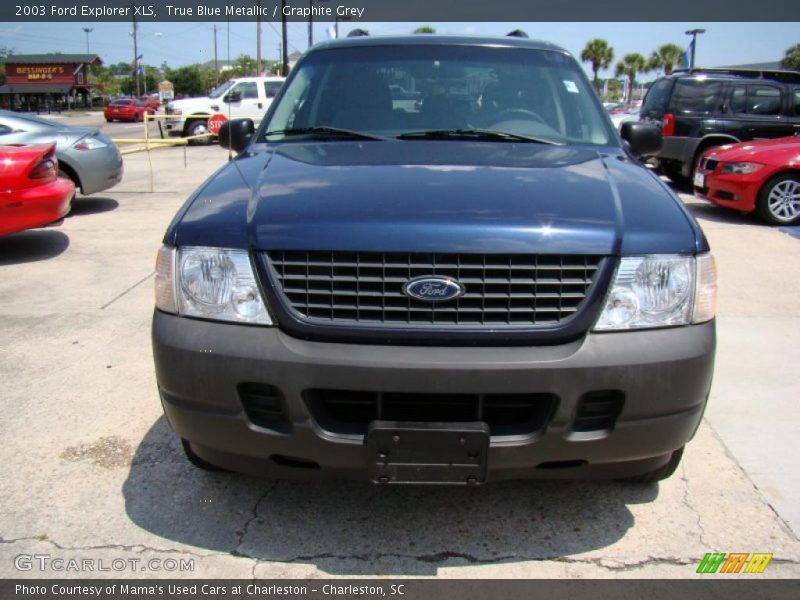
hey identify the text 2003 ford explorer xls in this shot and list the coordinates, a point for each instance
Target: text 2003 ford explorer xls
(470, 280)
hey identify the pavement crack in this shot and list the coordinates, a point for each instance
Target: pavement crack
(701, 532)
(242, 533)
(131, 288)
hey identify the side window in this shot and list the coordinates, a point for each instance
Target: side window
(657, 99)
(763, 100)
(248, 89)
(696, 96)
(4, 129)
(271, 88)
(739, 100)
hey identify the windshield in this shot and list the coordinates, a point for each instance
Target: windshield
(220, 89)
(391, 91)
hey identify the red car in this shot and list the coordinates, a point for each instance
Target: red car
(31, 192)
(126, 109)
(762, 176)
(153, 104)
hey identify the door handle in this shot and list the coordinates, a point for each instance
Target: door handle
(260, 105)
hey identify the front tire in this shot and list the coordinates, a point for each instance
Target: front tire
(779, 200)
(661, 473)
(198, 127)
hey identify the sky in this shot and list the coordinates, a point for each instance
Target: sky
(182, 43)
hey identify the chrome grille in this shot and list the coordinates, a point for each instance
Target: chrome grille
(366, 288)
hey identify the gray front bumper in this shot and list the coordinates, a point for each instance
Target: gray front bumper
(665, 375)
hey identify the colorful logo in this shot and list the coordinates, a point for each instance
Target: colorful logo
(734, 562)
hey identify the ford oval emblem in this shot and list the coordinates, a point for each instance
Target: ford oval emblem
(433, 289)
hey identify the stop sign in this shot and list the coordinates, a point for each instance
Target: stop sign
(215, 121)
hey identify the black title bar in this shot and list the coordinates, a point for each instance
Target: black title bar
(399, 10)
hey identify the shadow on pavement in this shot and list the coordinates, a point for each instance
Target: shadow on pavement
(353, 528)
(89, 206)
(32, 246)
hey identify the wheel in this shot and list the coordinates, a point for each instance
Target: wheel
(137, 117)
(109, 120)
(673, 171)
(661, 473)
(779, 200)
(198, 128)
(196, 460)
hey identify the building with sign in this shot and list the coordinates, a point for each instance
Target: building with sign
(46, 81)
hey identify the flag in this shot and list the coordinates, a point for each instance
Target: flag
(688, 55)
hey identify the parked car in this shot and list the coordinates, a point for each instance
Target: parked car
(31, 192)
(619, 118)
(152, 103)
(85, 155)
(369, 292)
(246, 96)
(761, 176)
(703, 108)
(127, 109)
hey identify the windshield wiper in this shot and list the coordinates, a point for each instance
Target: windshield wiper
(474, 134)
(324, 131)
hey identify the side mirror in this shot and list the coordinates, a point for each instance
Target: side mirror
(644, 138)
(232, 96)
(235, 134)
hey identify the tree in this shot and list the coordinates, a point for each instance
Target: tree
(425, 29)
(791, 60)
(188, 80)
(630, 66)
(666, 57)
(600, 54)
(4, 52)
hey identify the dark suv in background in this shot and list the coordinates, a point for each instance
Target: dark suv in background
(702, 108)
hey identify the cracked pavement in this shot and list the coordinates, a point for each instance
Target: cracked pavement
(90, 469)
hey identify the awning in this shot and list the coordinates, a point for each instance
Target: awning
(35, 88)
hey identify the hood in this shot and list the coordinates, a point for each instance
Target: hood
(432, 196)
(760, 149)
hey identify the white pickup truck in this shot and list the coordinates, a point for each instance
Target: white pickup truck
(243, 97)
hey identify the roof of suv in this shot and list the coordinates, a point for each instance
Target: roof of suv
(418, 39)
(722, 73)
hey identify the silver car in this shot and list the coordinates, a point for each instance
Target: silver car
(85, 155)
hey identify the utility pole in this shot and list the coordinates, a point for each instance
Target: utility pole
(258, 41)
(87, 31)
(285, 38)
(216, 66)
(136, 54)
(693, 33)
(310, 23)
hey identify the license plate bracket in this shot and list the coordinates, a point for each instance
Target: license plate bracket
(427, 453)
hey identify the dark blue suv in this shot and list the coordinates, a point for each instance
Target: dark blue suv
(473, 280)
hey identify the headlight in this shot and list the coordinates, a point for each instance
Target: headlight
(209, 283)
(740, 168)
(660, 291)
(89, 143)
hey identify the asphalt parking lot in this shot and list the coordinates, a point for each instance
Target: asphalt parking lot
(90, 470)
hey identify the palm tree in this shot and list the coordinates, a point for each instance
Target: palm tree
(630, 66)
(791, 59)
(600, 54)
(425, 29)
(666, 57)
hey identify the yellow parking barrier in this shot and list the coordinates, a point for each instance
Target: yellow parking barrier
(148, 143)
